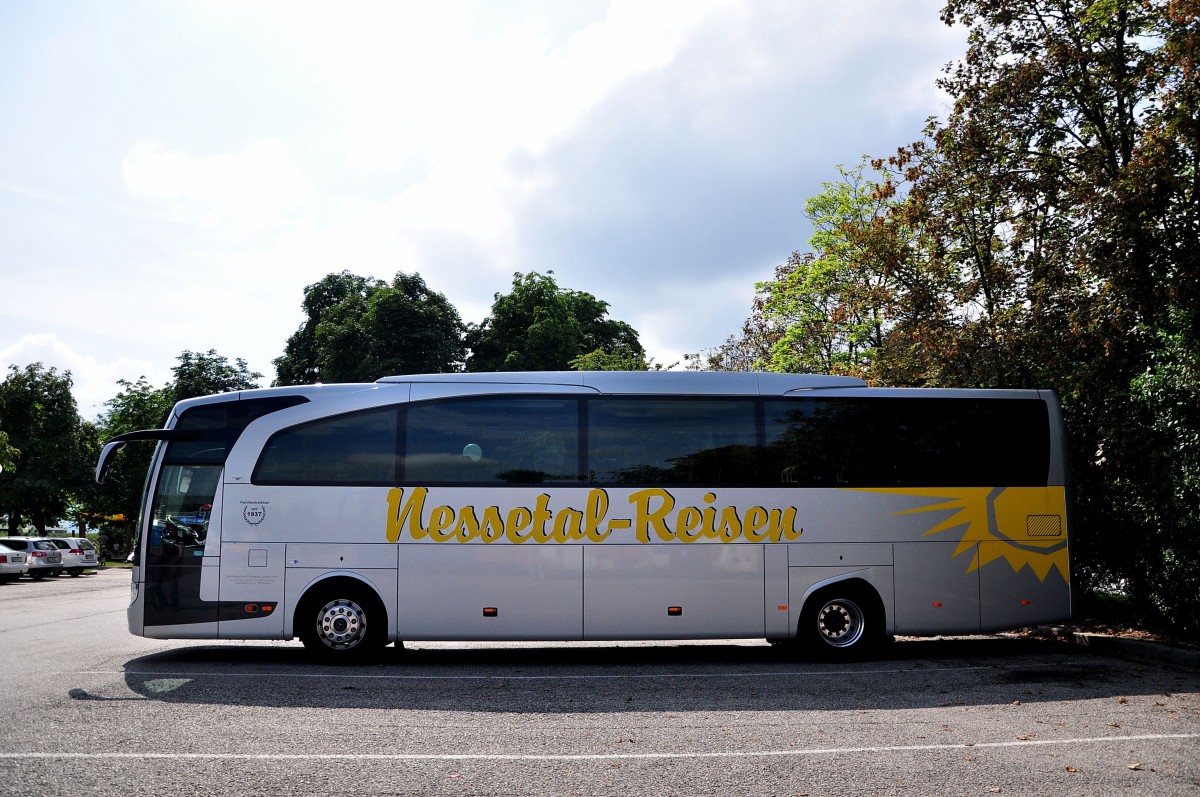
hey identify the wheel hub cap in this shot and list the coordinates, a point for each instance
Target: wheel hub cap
(341, 624)
(840, 623)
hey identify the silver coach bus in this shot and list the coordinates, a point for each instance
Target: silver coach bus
(601, 506)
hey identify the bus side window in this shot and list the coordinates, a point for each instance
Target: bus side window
(672, 441)
(492, 440)
(356, 448)
(906, 442)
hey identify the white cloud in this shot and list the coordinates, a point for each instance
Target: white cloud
(656, 154)
(258, 185)
(421, 92)
(94, 381)
(668, 320)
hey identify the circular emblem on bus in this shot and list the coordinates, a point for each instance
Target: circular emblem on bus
(254, 513)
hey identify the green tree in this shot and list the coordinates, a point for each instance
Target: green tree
(300, 363)
(42, 422)
(542, 327)
(358, 329)
(1064, 190)
(115, 504)
(830, 307)
(8, 454)
(829, 310)
(1043, 235)
(619, 360)
(1164, 498)
(206, 374)
(138, 405)
(743, 351)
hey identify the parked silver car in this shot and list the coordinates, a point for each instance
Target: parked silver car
(42, 556)
(78, 554)
(12, 563)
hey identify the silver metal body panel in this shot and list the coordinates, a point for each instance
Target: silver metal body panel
(777, 607)
(839, 554)
(1015, 598)
(536, 592)
(933, 596)
(630, 589)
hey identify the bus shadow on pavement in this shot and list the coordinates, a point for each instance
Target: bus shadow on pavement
(681, 677)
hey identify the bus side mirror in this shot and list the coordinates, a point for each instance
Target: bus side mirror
(106, 459)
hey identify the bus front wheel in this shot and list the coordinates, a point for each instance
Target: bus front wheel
(841, 623)
(344, 623)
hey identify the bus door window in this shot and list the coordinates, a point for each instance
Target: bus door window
(181, 510)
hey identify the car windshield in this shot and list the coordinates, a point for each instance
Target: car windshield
(61, 544)
(87, 546)
(45, 545)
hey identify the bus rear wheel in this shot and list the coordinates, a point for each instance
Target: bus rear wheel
(841, 623)
(342, 624)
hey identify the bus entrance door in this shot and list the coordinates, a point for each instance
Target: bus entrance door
(173, 562)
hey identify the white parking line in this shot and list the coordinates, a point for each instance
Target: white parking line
(919, 748)
(506, 677)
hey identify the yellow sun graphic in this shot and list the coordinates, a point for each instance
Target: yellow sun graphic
(1025, 526)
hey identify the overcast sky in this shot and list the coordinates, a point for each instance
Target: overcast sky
(172, 174)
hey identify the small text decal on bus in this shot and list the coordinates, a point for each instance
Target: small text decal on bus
(655, 517)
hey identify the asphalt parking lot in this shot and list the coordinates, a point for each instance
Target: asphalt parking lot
(90, 709)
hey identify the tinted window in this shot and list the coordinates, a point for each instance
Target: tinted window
(672, 441)
(219, 426)
(809, 442)
(17, 545)
(907, 442)
(504, 439)
(358, 448)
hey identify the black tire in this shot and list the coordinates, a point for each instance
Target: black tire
(342, 623)
(842, 623)
(75, 572)
(37, 576)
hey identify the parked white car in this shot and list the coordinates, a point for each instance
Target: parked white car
(42, 556)
(12, 563)
(78, 554)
